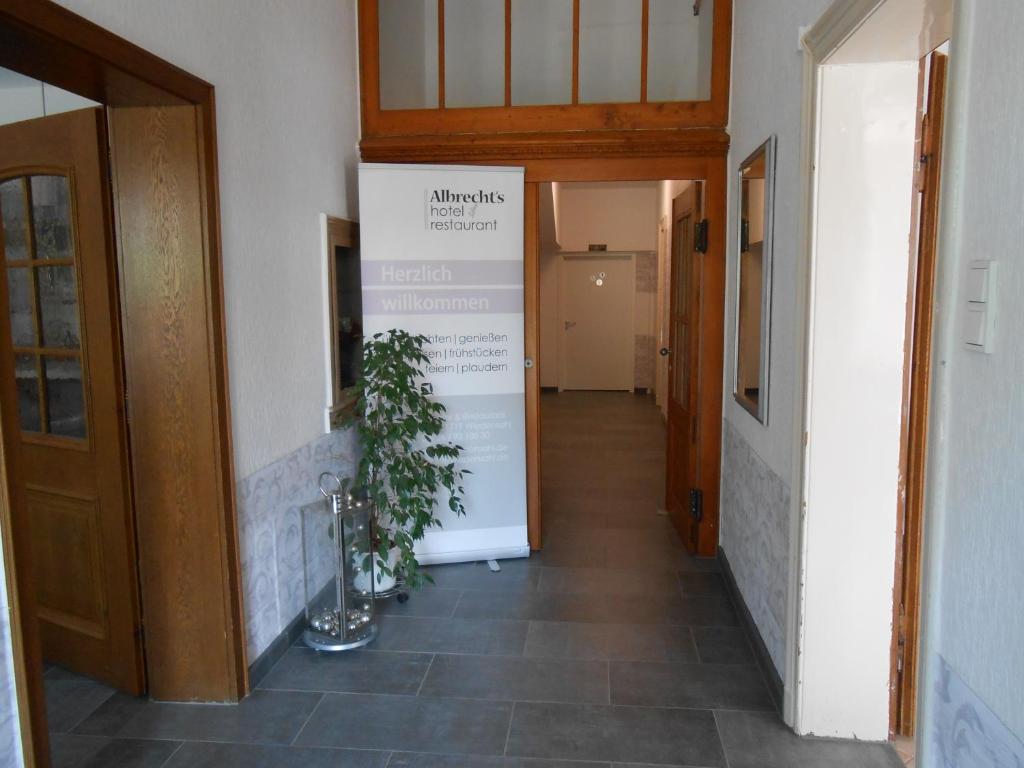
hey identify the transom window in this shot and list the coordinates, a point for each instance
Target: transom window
(490, 53)
(531, 65)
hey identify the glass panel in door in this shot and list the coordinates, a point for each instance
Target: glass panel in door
(44, 310)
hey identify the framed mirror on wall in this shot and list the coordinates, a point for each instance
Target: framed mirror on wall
(754, 279)
(345, 316)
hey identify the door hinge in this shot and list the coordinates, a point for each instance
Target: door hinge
(921, 174)
(700, 236)
(697, 504)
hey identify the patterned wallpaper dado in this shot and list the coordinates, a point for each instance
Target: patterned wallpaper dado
(644, 364)
(10, 734)
(755, 537)
(269, 532)
(965, 733)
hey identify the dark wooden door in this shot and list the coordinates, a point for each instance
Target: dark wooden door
(684, 366)
(63, 390)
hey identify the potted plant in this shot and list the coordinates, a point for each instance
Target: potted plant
(405, 469)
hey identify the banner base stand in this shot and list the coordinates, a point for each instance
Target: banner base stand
(475, 555)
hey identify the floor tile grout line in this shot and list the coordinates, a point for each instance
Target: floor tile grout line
(312, 712)
(424, 680)
(674, 707)
(455, 607)
(173, 753)
(721, 741)
(91, 712)
(567, 702)
(696, 648)
(508, 732)
(608, 666)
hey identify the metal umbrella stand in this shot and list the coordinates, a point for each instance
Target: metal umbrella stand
(337, 553)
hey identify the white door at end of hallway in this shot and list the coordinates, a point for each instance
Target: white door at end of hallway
(596, 294)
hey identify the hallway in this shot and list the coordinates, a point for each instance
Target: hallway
(611, 647)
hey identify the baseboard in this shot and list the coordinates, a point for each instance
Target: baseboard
(277, 648)
(549, 389)
(764, 659)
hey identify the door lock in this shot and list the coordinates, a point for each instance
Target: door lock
(664, 351)
(570, 324)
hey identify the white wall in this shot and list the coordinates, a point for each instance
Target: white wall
(757, 464)
(623, 215)
(766, 100)
(865, 165)
(287, 127)
(974, 573)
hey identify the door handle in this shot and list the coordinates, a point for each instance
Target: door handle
(570, 324)
(664, 351)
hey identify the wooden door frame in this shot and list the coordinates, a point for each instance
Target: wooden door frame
(914, 432)
(695, 153)
(45, 41)
(701, 164)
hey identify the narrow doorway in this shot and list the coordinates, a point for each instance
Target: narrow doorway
(618, 283)
(865, 166)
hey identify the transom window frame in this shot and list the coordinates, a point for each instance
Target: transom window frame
(575, 116)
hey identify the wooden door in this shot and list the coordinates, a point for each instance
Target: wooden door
(909, 573)
(682, 482)
(596, 298)
(63, 390)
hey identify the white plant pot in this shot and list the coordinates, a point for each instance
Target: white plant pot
(384, 582)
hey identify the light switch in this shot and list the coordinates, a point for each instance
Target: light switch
(974, 328)
(979, 320)
(978, 277)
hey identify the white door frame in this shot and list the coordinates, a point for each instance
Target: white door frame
(850, 32)
(580, 255)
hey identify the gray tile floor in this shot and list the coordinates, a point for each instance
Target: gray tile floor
(611, 647)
